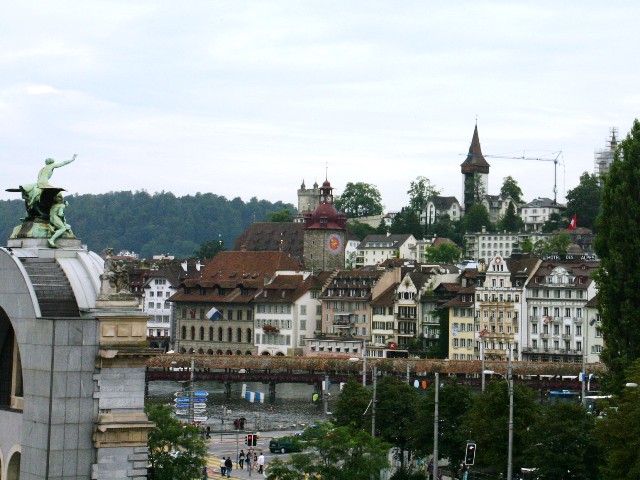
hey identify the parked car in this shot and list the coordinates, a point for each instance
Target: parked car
(285, 445)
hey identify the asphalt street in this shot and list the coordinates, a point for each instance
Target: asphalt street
(229, 444)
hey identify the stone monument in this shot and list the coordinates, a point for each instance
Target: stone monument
(72, 352)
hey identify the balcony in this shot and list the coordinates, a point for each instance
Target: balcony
(577, 320)
(566, 336)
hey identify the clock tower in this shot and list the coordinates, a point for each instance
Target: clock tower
(324, 234)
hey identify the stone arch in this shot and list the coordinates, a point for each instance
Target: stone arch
(219, 352)
(11, 386)
(238, 352)
(13, 464)
(266, 354)
(183, 350)
(210, 352)
(279, 354)
(200, 351)
(248, 352)
(229, 352)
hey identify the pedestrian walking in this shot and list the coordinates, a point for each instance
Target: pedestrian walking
(241, 459)
(223, 467)
(229, 464)
(260, 463)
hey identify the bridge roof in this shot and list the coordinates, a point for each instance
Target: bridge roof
(343, 364)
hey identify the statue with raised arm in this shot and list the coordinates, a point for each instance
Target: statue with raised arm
(45, 210)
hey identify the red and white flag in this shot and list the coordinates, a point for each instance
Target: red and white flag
(574, 221)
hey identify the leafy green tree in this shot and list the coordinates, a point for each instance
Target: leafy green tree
(526, 246)
(558, 243)
(511, 188)
(396, 410)
(477, 188)
(618, 433)
(511, 222)
(488, 424)
(382, 228)
(283, 215)
(555, 222)
(444, 253)
(209, 249)
(476, 218)
(562, 444)
(454, 403)
(420, 191)
(585, 200)
(407, 221)
(617, 279)
(351, 405)
(360, 229)
(176, 452)
(336, 453)
(359, 200)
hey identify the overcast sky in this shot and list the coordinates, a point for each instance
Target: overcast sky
(248, 98)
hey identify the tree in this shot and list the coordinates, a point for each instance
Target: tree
(396, 410)
(476, 218)
(209, 249)
(359, 200)
(511, 188)
(283, 215)
(407, 221)
(176, 452)
(562, 445)
(444, 253)
(584, 200)
(455, 400)
(617, 278)
(487, 424)
(335, 452)
(618, 433)
(360, 229)
(558, 244)
(477, 188)
(511, 222)
(351, 405)
(555, 222)
(420, 191)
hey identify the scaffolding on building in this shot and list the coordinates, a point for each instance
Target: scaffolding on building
(604, 157)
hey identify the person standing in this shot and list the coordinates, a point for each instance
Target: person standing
(261, 463)
(223, 467)
(241, 460)
(229, 465)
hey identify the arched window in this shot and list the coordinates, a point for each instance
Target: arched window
(193, 333)
(201, 333)
(230, 334)
(249, 337)
(239, 335)
(211, 334)
(220, 334)
(183, 333)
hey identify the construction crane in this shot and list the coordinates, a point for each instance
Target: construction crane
(555, 161)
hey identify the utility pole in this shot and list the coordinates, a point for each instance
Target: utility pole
(364, 363)
(191, 397)
(435, 428)
(374, 374)
(510, 453)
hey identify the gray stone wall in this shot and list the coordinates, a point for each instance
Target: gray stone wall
(121, 463)
(317, 256)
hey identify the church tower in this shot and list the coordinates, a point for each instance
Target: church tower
(475, 169)
(324, 234)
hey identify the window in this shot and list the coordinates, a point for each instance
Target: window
(534, 328)
(183, 332)
(193, 333)
(249, 337)
(211, 334)
(229, 334)
(201, 333)
(220, 334)
(229, 314)
(239, 334)
(303, 309)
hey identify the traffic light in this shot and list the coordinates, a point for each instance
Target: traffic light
(252, 440)
(470, 455)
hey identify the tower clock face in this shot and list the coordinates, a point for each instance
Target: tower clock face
(334, 242)
(330, 198)
(322, 198)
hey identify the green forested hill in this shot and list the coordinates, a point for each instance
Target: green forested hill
(151, 224)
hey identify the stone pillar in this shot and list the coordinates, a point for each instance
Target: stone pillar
(122, 427)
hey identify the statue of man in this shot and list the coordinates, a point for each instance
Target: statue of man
(59, 225)
(44, 176)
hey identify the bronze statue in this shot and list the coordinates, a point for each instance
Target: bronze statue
(59, 225)
(44, 205)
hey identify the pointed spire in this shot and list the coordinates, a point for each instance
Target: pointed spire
(475, 161)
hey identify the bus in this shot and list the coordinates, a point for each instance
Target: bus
(565, 396)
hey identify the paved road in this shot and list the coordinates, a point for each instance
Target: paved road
(228, 444)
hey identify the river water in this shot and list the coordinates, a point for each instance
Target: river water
(292, 409)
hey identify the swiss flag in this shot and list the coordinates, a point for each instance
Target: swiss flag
(574, 221)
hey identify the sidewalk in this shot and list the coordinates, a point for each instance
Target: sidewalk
(214, 472)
